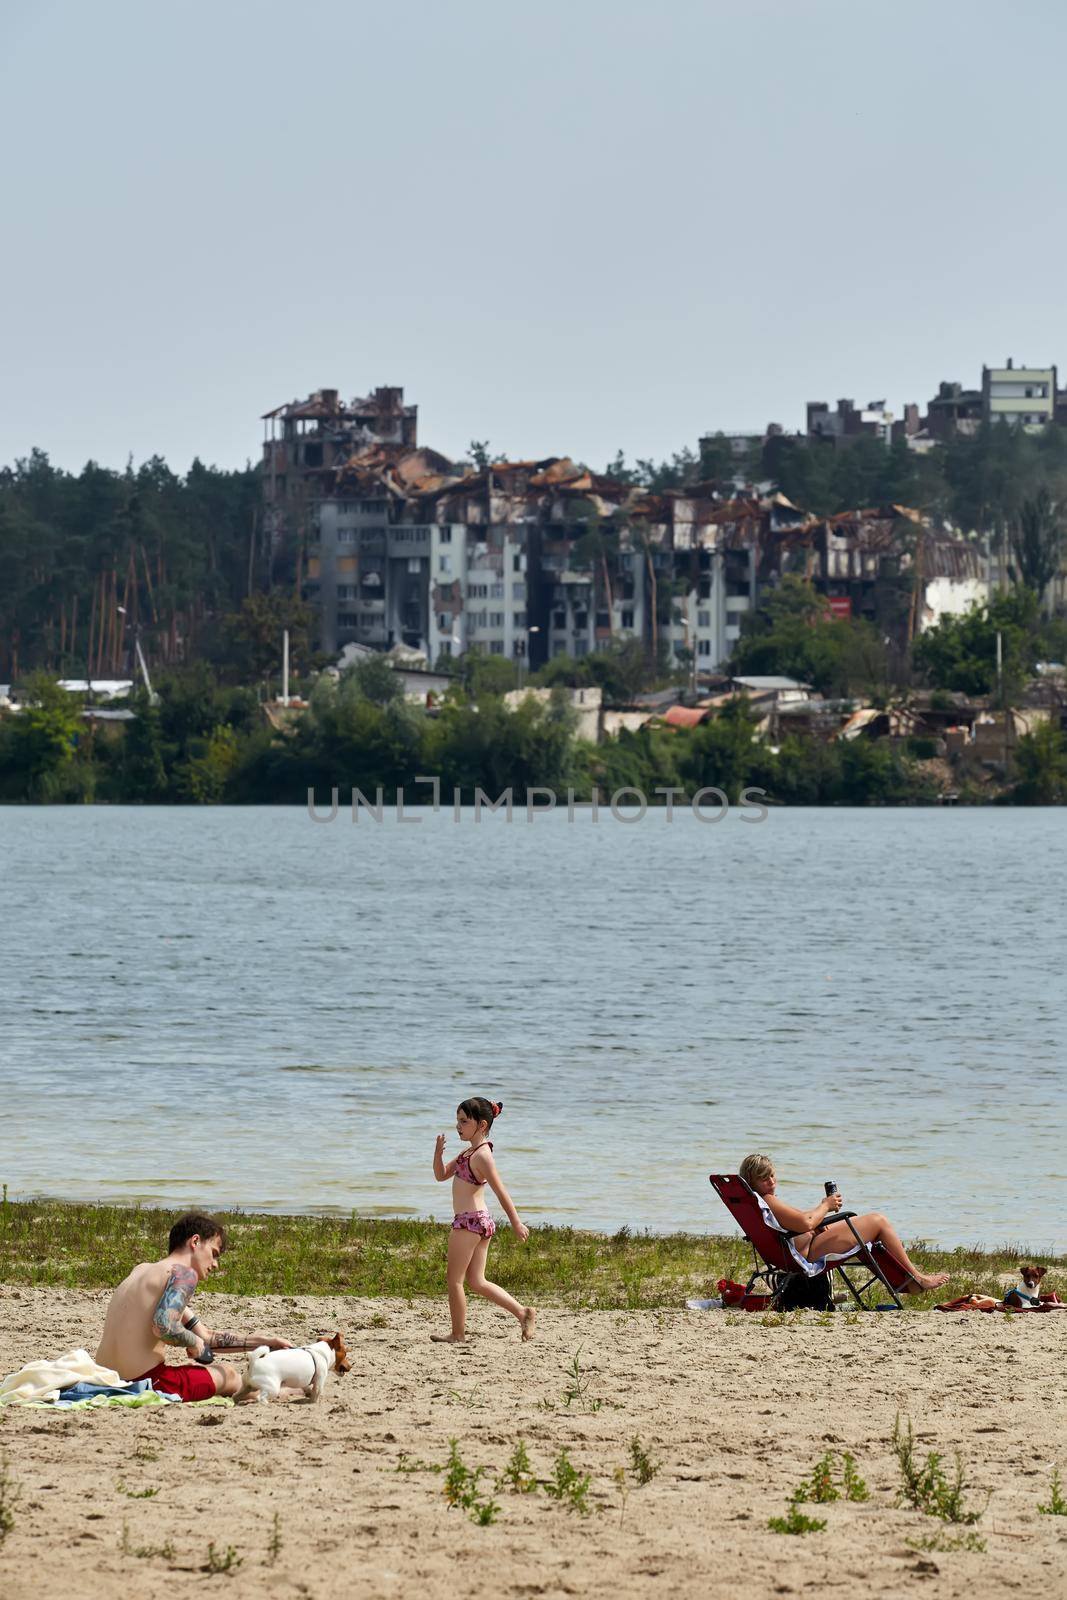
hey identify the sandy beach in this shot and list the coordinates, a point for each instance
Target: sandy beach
(736, 1413)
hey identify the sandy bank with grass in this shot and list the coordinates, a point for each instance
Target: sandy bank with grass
(731, 1415)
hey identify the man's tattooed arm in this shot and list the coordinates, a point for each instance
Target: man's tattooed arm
(235, 1341)
(167, 1317)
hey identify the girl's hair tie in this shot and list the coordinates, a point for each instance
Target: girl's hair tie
(498, 1106)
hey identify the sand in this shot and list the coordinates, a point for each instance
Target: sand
(735, 1412)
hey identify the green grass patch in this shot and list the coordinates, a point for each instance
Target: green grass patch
(57, 1243)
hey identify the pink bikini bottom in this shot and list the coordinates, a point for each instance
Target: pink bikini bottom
(475, 1222)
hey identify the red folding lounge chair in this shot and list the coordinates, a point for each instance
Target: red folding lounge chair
(775, 1263)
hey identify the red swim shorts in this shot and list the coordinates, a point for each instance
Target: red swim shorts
(189, 1383)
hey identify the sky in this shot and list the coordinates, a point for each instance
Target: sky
(565, 228)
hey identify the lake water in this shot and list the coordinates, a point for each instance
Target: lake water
(241, 1007)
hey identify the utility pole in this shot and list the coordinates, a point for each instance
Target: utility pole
(138, 653)
(691, 643)
(1000, 696)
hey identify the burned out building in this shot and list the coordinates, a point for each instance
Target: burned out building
(395, 544)
(304, 441)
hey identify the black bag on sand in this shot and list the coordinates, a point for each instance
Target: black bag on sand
(797, 1292)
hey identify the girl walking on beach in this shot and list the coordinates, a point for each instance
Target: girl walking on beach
(472, 1226)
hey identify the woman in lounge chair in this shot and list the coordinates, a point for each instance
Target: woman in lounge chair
(758, 1172)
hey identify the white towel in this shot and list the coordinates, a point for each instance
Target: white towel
(43, 1380)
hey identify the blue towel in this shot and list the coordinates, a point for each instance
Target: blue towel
(89, 1391)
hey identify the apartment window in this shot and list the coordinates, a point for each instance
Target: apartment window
(496, 647)
(516, 561)
(704, 591)
(443, 623)
(518, 591)
(496, 591)
(703, 619)
(581, 619)
(372, 508)
(444, 565)
(311, 591)
(581, 647)
(627, 619)
(496, 619)
(346, 591)
(603, 620)
(703, 647)
(444, 536)
(518, 619)
(559, 619)
(414, 564)
(347, 619)
(346, 536)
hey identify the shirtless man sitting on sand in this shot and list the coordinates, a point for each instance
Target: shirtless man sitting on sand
(150, 1310)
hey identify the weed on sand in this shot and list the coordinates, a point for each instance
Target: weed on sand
(796, 1523)
(1057, 1505)
(925, 1486)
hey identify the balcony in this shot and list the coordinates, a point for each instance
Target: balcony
(412, 539)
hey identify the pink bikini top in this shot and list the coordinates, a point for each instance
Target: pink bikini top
(463, 1164)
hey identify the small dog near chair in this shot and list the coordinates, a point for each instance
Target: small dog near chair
(1027, 1292)
(306, 1369)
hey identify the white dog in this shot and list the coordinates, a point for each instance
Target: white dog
(269, 1371)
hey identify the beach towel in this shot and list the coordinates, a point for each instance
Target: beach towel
(102, 1398)
(986, 1302)
(95, 1391)
(44, 1380)
(144, 1398)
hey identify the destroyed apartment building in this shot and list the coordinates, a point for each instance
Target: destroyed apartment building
(394, 543)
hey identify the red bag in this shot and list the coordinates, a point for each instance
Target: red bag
(735, 1294)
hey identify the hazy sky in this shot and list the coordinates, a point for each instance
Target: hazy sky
(566, 228)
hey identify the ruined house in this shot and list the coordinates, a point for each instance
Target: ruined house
(395, 544)
(304, 441)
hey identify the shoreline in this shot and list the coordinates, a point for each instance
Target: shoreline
(78, 1245)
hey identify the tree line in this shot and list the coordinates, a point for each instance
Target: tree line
(90, 560)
